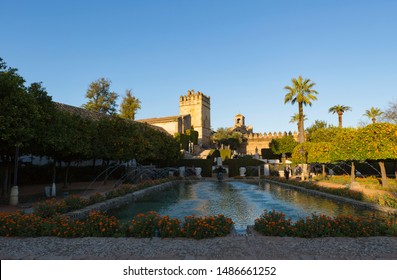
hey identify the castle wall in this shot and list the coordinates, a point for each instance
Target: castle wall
(198, 106)
(261, 141)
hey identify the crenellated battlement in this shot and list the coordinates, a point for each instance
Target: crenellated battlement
(270, 135)
(258, 141)
(194, 97)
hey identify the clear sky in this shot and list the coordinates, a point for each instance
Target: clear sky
(240, 53)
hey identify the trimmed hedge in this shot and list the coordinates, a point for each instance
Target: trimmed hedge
(205, 164)
(235, 164)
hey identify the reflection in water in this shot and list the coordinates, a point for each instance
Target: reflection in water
(240, 201)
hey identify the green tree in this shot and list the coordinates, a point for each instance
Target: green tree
(129, 106)
(320, 153)
(339, 109)
(283, 145)
(380, 145)
(19, 115)
(295, 119)
(323, 134)
(301, 152)
(227, 137)
(314, 127)
(100, 98)
(373, 113)
(346, 146)
(301, 92)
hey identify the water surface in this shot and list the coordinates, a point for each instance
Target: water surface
(243, 202)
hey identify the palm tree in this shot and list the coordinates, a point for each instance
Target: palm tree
(301, 92)
(295, 119)
(373, 113)
(339, 109)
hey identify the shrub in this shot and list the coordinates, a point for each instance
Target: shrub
(319, 225)
(144, 225)
(99, 224)
(96, 198)
(205, 227)
(50, 207)
(169, 227)
(273, 223)
(75, 202)
(19, 224)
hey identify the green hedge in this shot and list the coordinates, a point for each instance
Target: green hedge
(235, 164)
(205, 164)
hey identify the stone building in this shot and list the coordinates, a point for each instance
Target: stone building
(194, 111)
(254, 142)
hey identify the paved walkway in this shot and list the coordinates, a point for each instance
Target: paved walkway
(248, 247)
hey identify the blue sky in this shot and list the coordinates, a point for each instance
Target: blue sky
(240, 53)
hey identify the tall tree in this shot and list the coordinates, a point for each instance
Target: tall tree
(373, 113)
(129, 106)
(346, 147)
(295, 119)
(380, 144)
(227, 137)
(283, 145)
(100, 98)
(339, 109)
(390, 114)
(301, 92)
(314, 127)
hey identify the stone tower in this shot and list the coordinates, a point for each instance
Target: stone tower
(239, 121)
(197, 105)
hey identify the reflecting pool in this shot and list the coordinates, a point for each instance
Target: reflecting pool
(241, 201)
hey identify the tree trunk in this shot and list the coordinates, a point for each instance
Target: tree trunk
(324, 173)
(383, 172)
(54, 171)
(5, 181)
(301, 126)
(340, 114)
(106, 173)
(353, 173)
(16, 166)
(65, 181)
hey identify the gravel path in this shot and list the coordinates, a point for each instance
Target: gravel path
(247, 247)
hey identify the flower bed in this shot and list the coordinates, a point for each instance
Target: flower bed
(100, 224)
(273, 223)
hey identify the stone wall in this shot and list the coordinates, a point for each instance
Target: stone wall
(261, 141)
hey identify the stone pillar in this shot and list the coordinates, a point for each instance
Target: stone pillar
(198, 172)
(54, 190)
(14, 196)
(182, 171)
(266, 170)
